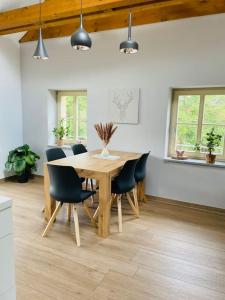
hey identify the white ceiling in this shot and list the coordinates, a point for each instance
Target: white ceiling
(12, 4)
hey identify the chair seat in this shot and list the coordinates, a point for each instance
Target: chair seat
(71, 197)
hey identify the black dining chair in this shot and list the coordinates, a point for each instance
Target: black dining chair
(80, 149)
(121, 185)
(125, 183)
(54, 154)
(140, 173)
(66, 187)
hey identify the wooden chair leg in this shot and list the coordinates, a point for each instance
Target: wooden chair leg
(69, 210)
(113, 198)
(76, 225)
(51, 221)
(95, 216)
(92, 188)
(88, 212)
(132, 204)
(120, 222)
(136, 201)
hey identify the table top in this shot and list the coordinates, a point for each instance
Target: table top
(88, 162)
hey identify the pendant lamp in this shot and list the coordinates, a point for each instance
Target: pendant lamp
(80, 40)
(40, 52)
(129, 46)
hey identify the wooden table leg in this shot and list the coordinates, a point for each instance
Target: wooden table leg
(141, 191)
(104, 206)
(49, 202)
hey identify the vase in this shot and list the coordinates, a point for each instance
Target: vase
(105, 151)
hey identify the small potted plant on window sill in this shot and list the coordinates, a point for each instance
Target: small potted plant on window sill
(61, 131)
(22, 161)
(213, 140)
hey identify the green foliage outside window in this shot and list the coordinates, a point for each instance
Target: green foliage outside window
(188, 122)
(82, 118)
(73, 126)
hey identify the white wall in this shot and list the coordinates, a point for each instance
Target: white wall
(52, 115)
(10, 99)
(173, 54)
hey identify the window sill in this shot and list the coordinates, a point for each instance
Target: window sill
(189, 161)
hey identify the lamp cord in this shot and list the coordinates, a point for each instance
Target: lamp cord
(129, 25)
(40, 13)
(81, 13)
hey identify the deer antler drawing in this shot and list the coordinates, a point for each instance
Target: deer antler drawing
(122, 103)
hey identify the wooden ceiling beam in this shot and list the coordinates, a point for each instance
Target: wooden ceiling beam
(89, 20)
(27, 18)
(145, 14)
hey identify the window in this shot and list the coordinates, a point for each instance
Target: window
(194, 113)
(72, 108)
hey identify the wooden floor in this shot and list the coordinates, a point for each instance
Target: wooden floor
(171, 252)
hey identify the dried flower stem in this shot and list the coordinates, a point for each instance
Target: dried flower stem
(105, 132)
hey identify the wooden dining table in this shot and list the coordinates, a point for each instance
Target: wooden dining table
(87, 165)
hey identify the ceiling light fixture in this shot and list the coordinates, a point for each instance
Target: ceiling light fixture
(129, 46)
(40, 52)
(80, 40)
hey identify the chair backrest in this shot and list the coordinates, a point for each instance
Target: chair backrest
(54, 154)
(140, 170)
(78, 149)
(65, 184)
(125, 180)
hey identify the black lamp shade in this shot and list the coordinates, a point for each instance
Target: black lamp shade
(40, 52)
(129, 47)
(80, 40)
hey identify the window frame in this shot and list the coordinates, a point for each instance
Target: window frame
(74, 94)
(202, 92)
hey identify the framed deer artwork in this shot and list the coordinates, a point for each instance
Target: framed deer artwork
(124, 105)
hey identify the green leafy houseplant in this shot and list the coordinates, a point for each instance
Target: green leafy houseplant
(21, 161)
(61, 131)
(213, 140)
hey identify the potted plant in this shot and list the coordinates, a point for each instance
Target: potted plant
(22, 161)
(61, 131)
(213, 140)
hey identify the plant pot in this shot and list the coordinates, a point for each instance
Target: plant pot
(23, 178)
(210, 158)
(59, 142)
